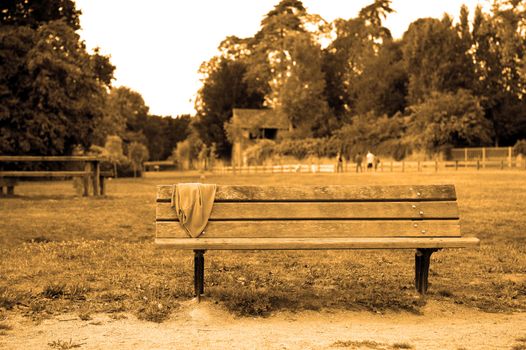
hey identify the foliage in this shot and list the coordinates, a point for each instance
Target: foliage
(137, 153)
(380, 135)
(499, 49)
(447, 119)
(382, 87)
(261, 151)
(224, 88)
(187, 151)
(436, 58)
(357, 42)
(36, 13)
(520, 147)
(51, 94)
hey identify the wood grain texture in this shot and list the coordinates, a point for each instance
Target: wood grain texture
(316, 228)
(48, 158)
(43, 173)
(323, 193)
(315, 243)
(323, 210)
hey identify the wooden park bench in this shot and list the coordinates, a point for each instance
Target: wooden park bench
(424, 218)
(90, 171)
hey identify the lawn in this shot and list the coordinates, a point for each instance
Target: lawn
(61, 253)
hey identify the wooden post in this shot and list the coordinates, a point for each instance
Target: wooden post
(436, 166)
(418, 167)
(483, 157)
(199, 273)
(391, 166)
(478, 164)
(102, 186)
(422, 260)
(403, 165)
(10, 187)
(465, 155)
(509, 156)
(501, 165)
(87, 169)
(96, 177)
(456, 164)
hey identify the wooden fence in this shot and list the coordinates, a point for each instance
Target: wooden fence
(389, 166)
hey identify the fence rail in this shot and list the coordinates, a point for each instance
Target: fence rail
(390, 166)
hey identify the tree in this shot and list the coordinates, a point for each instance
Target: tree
(499, 48)
(137, 153)
(382, 87)
(436, 59)
(37, 12)
(286, 63)
(224, 88)
(115, 151)
(449, 119)
(358, 41)
(50, 92)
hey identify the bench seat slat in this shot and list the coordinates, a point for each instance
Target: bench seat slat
(323, 210)
(315, 243)
(43, 173)
(316, 228)
(324, 193)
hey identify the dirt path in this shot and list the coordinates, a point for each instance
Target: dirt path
(207, 326)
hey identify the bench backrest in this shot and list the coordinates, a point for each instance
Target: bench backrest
(280, 212)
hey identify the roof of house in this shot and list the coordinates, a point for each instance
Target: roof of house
(267, 118)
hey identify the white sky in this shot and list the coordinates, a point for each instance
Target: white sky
(158, 45)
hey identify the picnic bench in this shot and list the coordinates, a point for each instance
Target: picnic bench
(424, 218)
(90, 170)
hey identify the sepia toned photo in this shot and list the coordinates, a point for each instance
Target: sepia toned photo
(263, 174)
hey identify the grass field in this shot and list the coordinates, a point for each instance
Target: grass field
(65, 254)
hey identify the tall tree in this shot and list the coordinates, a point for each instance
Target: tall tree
(357, 42)
(50, 91)
(224, 88)
(436, 58)
(286, 64)
(382, 87)
(34, 13)
(499, 42)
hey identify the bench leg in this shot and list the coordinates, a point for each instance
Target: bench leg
(422, 259)
(10, 190)
(199, 273)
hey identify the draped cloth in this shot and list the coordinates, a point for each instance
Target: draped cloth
(193, 204)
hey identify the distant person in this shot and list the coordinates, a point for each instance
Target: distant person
(358, 159)
(339, 163)
(376, 163)
(369, 157)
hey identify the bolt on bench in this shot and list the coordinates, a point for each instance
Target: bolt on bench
(424, 218)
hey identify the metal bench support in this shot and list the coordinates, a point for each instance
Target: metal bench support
(422, 259)
(199, 273)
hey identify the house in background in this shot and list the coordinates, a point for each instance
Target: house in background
(256, 124)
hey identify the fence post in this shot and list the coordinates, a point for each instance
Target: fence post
(403, 165)
(484, 157)
(501, 165)
(509, 157)
(456, 164)
(436, 166)
(419, 169)
(478, 164)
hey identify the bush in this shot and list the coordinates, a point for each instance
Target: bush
(261, 151)
(520, 147)
(449, 119)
